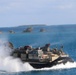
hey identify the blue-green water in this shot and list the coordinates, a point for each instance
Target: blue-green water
(55, 35)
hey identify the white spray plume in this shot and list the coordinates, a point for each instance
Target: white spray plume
(8, 63)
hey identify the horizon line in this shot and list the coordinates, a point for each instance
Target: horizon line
(37, 25)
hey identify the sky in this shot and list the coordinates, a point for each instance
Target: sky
(27, 12)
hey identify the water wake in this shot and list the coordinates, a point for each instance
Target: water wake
(9, 64)
(68, 65)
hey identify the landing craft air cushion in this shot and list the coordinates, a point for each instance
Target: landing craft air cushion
(40, 57)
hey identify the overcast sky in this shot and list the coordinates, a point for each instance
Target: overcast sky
(24, 12)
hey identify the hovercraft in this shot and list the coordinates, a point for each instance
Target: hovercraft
(41, 57)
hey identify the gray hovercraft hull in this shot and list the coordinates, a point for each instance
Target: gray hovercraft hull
(60, 60)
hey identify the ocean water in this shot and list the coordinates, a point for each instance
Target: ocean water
(55, 35)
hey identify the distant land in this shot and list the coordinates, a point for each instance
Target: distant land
(33, 25)
(36, 25)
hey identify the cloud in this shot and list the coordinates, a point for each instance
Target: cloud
(24, 5)
(33, 6)
(68, 6)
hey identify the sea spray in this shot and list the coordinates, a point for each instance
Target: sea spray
(8, 63)
(15, 65)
